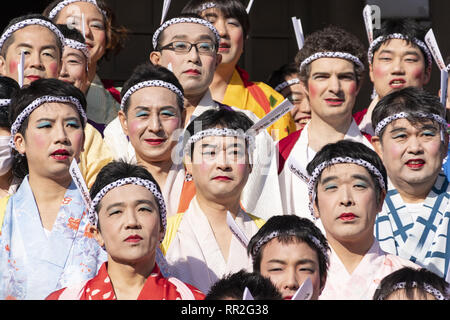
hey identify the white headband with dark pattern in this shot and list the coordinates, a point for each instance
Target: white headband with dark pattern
(64, 3)
(78, 46)
(340, 55)
(401, 115)
(5, 102)
(275, 234)
(221, 132)
(30, 22)
(286, 84)
(92, 214)
(184, 20)
(38, 102)
(416, 41)
(427, 287)
(207, 5)
(150, 83)
(318, 171)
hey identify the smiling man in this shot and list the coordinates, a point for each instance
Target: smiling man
(411, 139)
(331, 71)
(347, 188)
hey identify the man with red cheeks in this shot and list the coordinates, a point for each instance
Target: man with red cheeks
(398, 58)
(40, 41)
(411, 139)
(331, 72)
(347, 188)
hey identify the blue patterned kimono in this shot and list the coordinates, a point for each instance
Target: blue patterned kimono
(425, 240)
(32, 264)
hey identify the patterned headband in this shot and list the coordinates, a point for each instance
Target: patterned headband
(340, 55)
(207, 5)
(221, 132)
(5, 102)
(30, 22)
(286, 84)
(275, 234)
(64, 3)
(428, 288)
(416, 41)
(383, 123)
(77, 46)
(150, 83)
(318, 171)
(38, 102)
(92, 214)
(184, 20)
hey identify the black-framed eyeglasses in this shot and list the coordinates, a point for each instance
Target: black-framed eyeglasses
(183, 47)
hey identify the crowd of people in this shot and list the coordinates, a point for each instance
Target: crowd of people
(193, 182)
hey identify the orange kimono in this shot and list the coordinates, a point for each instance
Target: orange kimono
(259, 98)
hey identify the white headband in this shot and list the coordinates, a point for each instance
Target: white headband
(150, 83)
(276, 234)
(318, 170)
(5, 102)
(30, 22)
(184, 20)
(64, 3)
(207, 5)
(286, 84)
(383, 123)
(427, 287)
(221, 132)
(38, 102)
(419, 43)
(78, 46)
(340, 55)
(92, 214)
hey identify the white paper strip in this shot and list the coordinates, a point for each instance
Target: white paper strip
(444, 84)
(80, 183)
(279, 111)
(298, 32)
(249, 6)
(20, 68)
(367, 15)
(431, 42)
(305, 291)
(247, 295)
(166, 6)
(169, 67)
(83, 30)
(236, 230)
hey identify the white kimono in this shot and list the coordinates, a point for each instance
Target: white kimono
(364, 280)
(261, 194)
(293, 179)
(193, 254)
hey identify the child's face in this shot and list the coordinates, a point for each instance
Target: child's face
(220, 167)
(53, 138)
(288, 265)
(41, 52)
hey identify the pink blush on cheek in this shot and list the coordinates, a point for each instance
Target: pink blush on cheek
(13, 66)
(53, 68)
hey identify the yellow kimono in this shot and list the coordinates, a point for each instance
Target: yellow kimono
(259, 98)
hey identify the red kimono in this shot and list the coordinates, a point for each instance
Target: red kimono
(155, 288)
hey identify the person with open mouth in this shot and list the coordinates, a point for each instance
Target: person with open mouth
(46, 239)
(347, 189)
(411, 139)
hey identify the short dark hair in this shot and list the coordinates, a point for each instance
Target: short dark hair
(7, 88)
(234, 284)
(331, 39)
(414, 279)
(224, 117)
(10, 40)
(146, 72)
(120, 169)
(355, 150)
(26, 95)
(182, 15)
(71, 33)
(408, 27)
(279, 75)
(292, 229)
(411, 100)
(230, 9)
